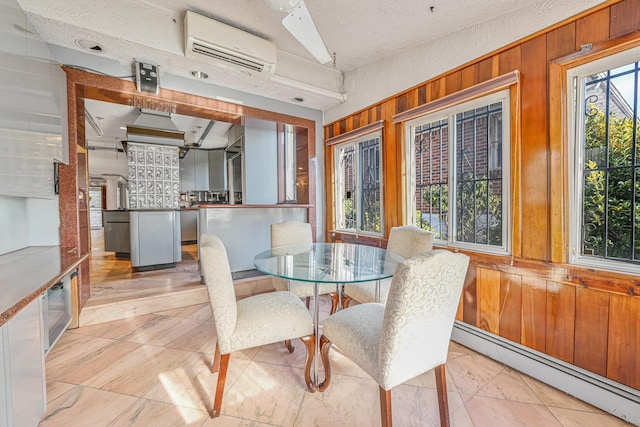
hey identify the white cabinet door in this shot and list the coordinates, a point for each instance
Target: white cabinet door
(24, 366)
(5, 403)
(217, 170)
(201, 170)
(187, 172)
(260, 163)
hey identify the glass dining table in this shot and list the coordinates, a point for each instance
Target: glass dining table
(338, 263)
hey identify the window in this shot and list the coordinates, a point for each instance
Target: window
(459, 181)
(358, 189)
(605, 183)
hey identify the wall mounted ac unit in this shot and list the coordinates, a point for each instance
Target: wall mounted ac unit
(228, 47)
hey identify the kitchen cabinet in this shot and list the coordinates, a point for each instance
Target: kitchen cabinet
(189, 225)
(217, 170)
(155, 238)
(194, 171)
(260, 162)
(22, 373)
(201, 167)
(33, 98)
(187, 172)
(117, 236)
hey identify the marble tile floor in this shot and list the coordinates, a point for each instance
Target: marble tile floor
(153, 370)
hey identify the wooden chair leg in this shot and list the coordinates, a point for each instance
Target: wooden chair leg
(325, 346)
(309, 342)
(334, 301)
(222, 377)
(443, 401)
(346, 299)
(215, 364)
(308, 302)
(385, 407)
(290, 347)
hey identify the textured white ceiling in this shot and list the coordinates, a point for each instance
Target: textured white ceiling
(360, 32)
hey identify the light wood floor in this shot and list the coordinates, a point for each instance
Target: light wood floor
(153, 370)
(113, 279)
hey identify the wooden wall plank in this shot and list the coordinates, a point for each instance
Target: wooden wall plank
(511, 306)
(422, 94)
(535, 163)
(488, 294)
(487, 69)
(437, 89)
(460, 312)
(402, 103)
(592, 28)
(509, 60)
(357, 120)
(625, 17)
(469, 76)
(561, 311)
(469, 294)
(561, 41)
(534, 310)
(591, 330)
(623, 359)
(452, 83)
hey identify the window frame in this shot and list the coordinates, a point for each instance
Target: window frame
(449, 112)
(575, 111)
(339, 210)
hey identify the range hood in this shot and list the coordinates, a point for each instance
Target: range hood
(155, 127)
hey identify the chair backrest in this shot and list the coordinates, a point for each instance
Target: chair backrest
(419, 315)
(291, 233)
(409, 241)
(217, 277)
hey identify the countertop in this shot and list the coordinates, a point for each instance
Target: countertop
(237, 206)
(27, 273)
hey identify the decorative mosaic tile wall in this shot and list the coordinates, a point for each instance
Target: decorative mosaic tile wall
(154, 176)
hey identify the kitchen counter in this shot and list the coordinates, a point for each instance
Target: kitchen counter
(27, 273)
(245, 230)
(226, 205)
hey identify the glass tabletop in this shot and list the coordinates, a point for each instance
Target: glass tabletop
(328, 262)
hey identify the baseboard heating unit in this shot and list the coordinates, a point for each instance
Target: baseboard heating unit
(610, 396)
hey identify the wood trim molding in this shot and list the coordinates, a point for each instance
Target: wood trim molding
(463, 95)
(372, 127)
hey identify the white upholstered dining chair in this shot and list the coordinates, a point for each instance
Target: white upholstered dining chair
(408, 336)
(296, 233)
(251, 322)
(407, 241)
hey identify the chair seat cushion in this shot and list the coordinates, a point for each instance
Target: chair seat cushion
(366, 292)
(269, 318)
(303, 289)
(356, 332)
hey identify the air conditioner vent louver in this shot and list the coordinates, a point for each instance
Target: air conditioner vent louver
(226, 57)
(228, 47)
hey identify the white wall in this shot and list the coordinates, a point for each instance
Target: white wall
(13, 224)
(28, 222)
(43, 222)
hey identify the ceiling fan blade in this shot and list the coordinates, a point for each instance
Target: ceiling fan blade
(299, 23)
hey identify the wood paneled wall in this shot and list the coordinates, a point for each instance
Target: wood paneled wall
(587, 318)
